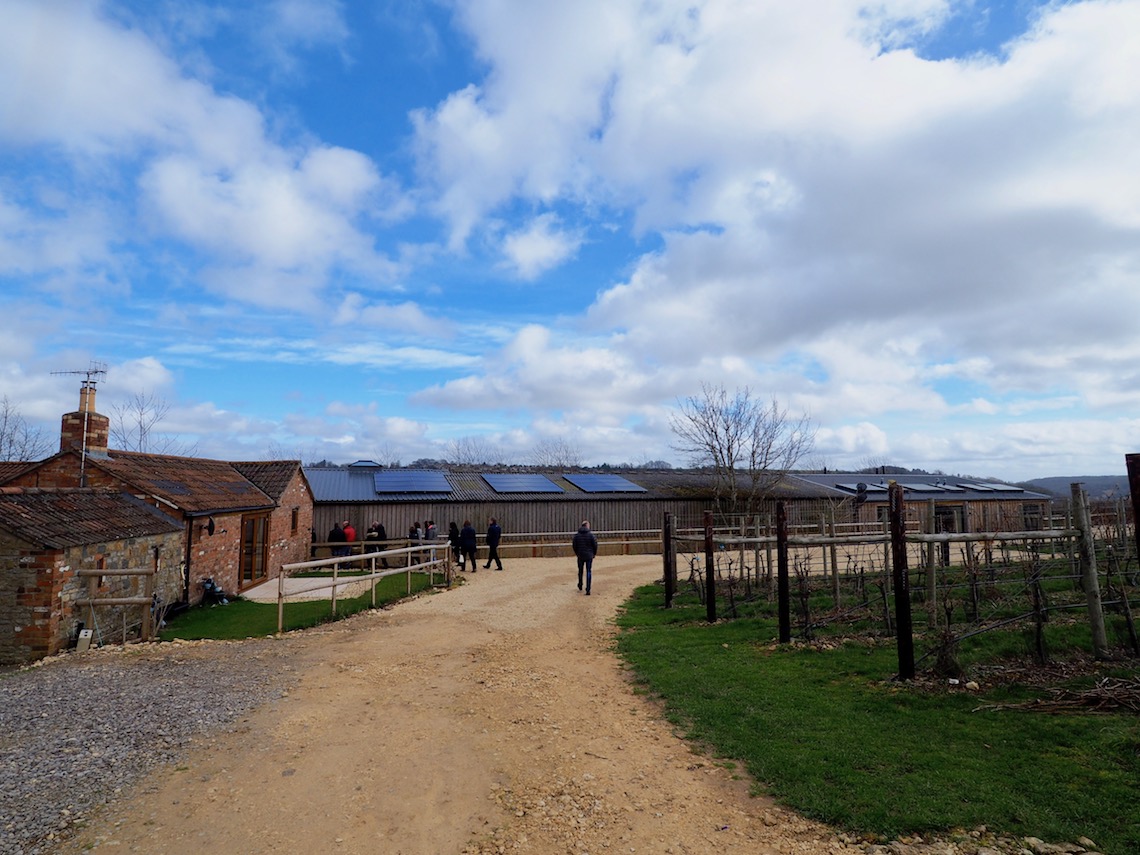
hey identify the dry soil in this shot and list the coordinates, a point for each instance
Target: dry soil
(492, 717)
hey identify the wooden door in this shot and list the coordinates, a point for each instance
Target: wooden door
(254, 549)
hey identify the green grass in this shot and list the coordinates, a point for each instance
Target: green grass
(826, 732)
(247, 619)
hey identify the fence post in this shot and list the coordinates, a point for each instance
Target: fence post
(670, 568)
(783, 594)
(281, 601)
(904, 633)
(710, 570)
(147, 629)
(1133, 463)
(931, 567)
(756, 547)
(834, 555)
(1088, 570)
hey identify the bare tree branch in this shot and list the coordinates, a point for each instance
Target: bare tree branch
(558, 453)
(133, 426)
(19, 441)
(473, 450)
(749, 445)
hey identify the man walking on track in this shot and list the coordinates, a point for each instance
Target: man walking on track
(494, 535)
(585, 547)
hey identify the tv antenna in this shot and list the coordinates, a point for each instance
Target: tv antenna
(91, 375)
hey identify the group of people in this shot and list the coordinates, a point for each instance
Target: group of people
(464, 543)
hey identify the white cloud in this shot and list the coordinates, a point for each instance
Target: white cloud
(539, 246)
(210, 176)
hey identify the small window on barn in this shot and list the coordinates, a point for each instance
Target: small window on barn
(295, 520)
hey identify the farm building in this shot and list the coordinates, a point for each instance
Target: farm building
(48, 536)
(532, 502)
(240, 521)
(958, 504)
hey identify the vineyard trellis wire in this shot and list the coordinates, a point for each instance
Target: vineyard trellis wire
(966, 584)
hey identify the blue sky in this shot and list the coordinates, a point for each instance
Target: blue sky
(379, 229)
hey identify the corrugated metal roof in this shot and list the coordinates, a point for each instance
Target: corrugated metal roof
(355, 485)
(915, 487)
(59, 518)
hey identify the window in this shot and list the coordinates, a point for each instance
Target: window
(295, 521)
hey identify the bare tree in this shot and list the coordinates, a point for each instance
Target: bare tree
(19, 440)
(473, 450)
(557, 453)
(748, 444)
(133, 426)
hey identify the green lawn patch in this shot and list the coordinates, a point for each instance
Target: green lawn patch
(825, 730)
(247, 619)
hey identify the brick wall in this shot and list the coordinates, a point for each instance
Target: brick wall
(286, 545)
(63, 471)
(216, 555)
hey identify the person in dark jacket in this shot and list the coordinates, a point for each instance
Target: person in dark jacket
(494, 535)
(468, 544)
(585, 548)
(337, 539)
(376, 540)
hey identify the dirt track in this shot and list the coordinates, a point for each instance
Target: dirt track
(490, 718)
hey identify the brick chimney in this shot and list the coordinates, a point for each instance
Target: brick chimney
(85, 430)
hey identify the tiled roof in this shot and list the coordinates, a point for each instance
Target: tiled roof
(195, 485)
(10, 469)
(61, 518)
(271, 477)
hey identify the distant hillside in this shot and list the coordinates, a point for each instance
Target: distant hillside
(1097, 486)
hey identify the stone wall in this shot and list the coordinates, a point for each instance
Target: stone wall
(39, 588)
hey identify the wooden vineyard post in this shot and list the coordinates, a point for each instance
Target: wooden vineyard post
(670, 568)
(1088, 570)
(834, 555)
(710, 570)
(903, 632)
(783, 593)
(931, 568)
(1133, 463)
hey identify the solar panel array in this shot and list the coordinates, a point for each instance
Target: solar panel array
(520, 482)
(412, 481)
(603, 483)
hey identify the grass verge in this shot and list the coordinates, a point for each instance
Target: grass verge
(247, 619)
(824, 730)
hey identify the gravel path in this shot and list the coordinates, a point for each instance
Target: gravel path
(79, 730)
(490, 719)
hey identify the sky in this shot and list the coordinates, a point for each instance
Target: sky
(388, 229)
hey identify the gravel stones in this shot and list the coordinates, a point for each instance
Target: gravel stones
(78, 730)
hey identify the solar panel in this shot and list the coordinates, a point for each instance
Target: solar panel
(919, 487)
(603, 483)
(870, 488)
(520, 482)
(1000, 488)
(412, 481)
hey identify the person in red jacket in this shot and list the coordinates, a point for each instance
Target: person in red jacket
(349, 533)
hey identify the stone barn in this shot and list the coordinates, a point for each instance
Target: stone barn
(48, 536)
